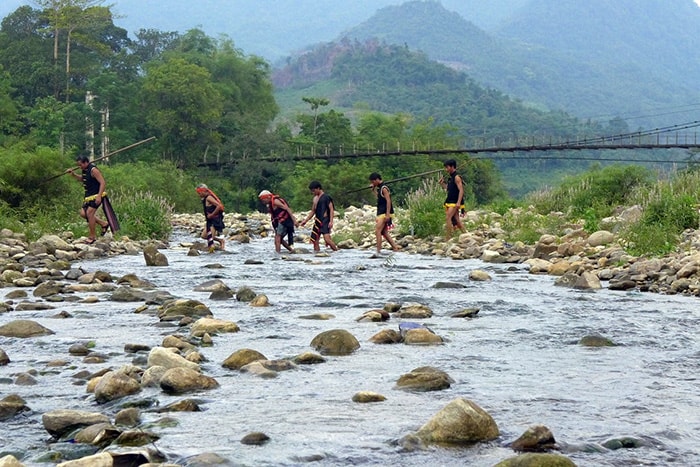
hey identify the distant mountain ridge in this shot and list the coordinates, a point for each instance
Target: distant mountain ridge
(593, 58)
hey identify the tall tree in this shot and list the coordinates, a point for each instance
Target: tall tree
(184, 107)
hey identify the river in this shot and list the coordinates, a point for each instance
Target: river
(519, 359)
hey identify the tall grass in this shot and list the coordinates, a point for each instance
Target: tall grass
(142, 215)
(669, 207)
(425, 211)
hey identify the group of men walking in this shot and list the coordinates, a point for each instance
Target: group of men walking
(281, 215)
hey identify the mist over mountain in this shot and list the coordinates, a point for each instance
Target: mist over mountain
(273, 29)
(594, 59)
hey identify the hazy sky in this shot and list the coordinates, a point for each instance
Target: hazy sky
(8, 6)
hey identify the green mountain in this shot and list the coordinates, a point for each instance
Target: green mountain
(594, 59)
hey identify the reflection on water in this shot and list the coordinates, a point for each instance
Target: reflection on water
(519, 360)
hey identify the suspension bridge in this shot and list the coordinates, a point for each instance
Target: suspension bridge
(670, 137)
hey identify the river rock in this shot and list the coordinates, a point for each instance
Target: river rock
(258, 369)
(61, 422)
(97, 434)
(10, 461)
(373, 316)
(175, 310)
(364, 397)
(53, 243)
(255, 439)
(24, 328)
(479, 275)
(136, 438)
(212, 326)
(595, 340)
(423, 379)
(386, 336)
(245, 294)
(421, 336)
(538, 266)
(177, 342)
(260, 300)
(160, 356)
(241, 358)
(588, 281)
(115, 385)
(459, 422)
(308, 358)
(335, 342)
(211, 286)
(152, 376)
(103, 459)
(184, 405)
(182, 380)
(466, 313)
(537, 438)
(414, 311)
(48, 288)
(153, 257)
(11, 405)
(537, 460)
(601, 238)
(4, 359)
(131, 416)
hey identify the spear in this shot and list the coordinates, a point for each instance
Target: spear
(125, 148)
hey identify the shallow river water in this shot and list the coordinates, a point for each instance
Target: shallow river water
(519, 359)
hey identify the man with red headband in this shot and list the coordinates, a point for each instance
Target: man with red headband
(214, 213)
(283, 220)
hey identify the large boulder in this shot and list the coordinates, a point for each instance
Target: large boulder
(241, 358)
(23, 328)
(182, 380)
(425, 378)
(335, 342)
(459, 422)
(168, 358)
(537, 438)
(12, 405)
(212, 326)
(114, 385)
(175, 310)
(60, 422)
(153, 257)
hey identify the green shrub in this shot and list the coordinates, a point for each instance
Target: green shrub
(594, 193)
(425, 212)
(161, 179)
(142, 215)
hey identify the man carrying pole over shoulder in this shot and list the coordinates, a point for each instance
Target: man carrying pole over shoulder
(95, 195)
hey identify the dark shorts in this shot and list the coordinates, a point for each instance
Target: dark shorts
(321, 227)
(217, 223)
(90, 204)
(284, 228)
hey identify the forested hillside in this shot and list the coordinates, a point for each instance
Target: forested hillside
(593, 58)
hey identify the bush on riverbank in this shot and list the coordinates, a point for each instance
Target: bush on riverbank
(143, 215)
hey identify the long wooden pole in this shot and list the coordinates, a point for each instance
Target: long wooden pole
(400, 179)
(125, 148)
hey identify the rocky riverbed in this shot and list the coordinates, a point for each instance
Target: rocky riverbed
(44, 271)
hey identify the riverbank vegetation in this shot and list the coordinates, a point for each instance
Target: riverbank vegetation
(72, 81)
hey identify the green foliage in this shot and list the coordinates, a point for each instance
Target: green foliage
(669, 207)
(528, 225)
(142, 215)
(160, 179)
(23, 173)
(425, 211)
(593, 194)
